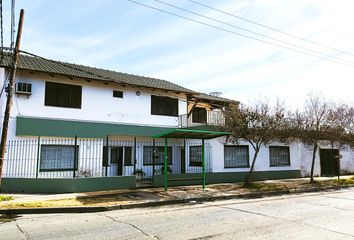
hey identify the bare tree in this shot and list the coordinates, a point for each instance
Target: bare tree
(258, 124)
(321, 120)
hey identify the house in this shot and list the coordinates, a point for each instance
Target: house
(79, 128)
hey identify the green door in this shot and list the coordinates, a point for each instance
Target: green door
(329, 163)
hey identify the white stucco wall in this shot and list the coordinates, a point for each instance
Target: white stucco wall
(98, 103)
(346, 162)
(262, 162)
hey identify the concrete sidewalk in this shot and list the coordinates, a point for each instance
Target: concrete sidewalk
(119, 199)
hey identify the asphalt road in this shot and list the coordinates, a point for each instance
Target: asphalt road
(328, 215)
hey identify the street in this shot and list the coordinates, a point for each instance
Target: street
(328, 215)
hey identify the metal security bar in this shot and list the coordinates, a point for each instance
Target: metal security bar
(114, 156)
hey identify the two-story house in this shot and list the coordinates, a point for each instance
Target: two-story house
(77, 123)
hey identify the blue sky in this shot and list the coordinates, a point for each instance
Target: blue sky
(126, 37)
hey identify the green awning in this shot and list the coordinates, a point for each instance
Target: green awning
(191, 134)
(27, 126)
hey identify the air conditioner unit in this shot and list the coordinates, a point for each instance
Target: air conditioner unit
(24, 88)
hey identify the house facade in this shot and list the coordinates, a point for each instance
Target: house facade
(76, 123)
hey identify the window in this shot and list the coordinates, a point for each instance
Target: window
(279, 156)
(58, 158)
(105, 156)
(165, 106)
(116, 154)
(236, 156)
(62, 95)
(117, 94)
(195, 156)
(199, 115)
(159, 155)
(128, 160)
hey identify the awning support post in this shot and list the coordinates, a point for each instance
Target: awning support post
(203, 163)
(165, 166)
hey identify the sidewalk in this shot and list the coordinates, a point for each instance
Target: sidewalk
(147, 197)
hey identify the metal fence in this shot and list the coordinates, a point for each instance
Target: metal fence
(75, 157)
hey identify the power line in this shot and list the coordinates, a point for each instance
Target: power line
(273, 29)
(253, 32)
(240, 34)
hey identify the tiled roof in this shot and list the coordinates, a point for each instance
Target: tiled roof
(36, 63)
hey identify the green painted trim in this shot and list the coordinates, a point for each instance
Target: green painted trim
(55, 185)
(224, 177)
(26, 126)
(190, 133)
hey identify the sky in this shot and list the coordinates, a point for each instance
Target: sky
(127, 37)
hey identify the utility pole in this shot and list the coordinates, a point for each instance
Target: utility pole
(5, 124)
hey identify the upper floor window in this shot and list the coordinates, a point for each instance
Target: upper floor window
(165, 106)
(117, 94)
(279, 156)
(199, 115)
(62, 95)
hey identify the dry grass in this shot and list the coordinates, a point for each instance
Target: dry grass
(128, 198)
(5, 198)
(72, 202)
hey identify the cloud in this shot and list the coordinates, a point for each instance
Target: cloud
(126, 37)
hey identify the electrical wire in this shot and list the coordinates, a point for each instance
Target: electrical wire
(240, 34)
(253, 32)
(272, 28)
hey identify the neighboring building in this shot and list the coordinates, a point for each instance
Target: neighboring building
(72, 121)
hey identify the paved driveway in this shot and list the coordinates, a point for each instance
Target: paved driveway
(327, 215)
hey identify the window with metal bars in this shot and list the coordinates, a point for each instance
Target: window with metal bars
(279, 156)
(236, 156)
(58, 158)
(159, 155)
(195, 156)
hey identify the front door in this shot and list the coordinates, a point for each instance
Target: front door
(329, 163)
(117, 160)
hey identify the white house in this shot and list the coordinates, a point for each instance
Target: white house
(96, 127)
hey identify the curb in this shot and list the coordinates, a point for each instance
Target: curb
(252, 195)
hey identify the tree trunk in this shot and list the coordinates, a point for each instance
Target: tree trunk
(248, 180)
(313, 162)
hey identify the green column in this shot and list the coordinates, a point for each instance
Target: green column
(203, 163)
(165, 166)
(38, 150)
